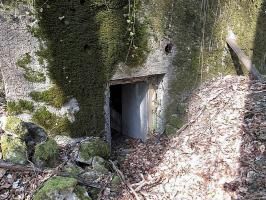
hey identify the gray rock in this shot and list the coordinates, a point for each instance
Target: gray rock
(100, 168)
(63, 140)
(91, 175)
(97, 160)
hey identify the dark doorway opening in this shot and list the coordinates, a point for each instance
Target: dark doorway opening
(116, 111)
(129, 110)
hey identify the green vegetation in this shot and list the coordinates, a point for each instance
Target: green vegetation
(47, 153)
(54, 186)
(53, 124)
(96, 147)
(73, 170)
(13, 149)
(16, 126)
(53, 96)
(19, 107)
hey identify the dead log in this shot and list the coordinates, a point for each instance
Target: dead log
(18, 167)
(231, 41)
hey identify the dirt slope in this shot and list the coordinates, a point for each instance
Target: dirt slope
(220, 155)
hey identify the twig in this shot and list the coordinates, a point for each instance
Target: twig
(121, 175)
(18, 167)
(190, 122)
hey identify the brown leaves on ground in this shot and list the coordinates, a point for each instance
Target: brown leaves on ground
(220, 155)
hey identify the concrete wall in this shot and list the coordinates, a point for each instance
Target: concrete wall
(82, 48)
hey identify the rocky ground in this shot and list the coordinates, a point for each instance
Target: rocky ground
(220, 153)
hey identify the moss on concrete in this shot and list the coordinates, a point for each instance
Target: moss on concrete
(54, 187)
(84, 42)
(34, 76)
(24, 61)
(19, 107)
(53, 96)
(53, 124)
(36, 32)
(13, 149)
(30, 74)
(199, 37)
(47, 154)
(42, 53)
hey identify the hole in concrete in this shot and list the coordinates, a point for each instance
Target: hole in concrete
(73, 9)
(82, 2)
(86, 47)
(168, 48)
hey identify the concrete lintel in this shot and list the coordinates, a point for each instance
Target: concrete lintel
(133, 79)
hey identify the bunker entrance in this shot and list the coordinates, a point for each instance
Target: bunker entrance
(133, 108)
(129, 110)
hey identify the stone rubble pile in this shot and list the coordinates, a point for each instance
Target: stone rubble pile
(69, 165)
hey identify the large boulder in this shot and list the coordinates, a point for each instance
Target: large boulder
(59, 188)
(91, 148)
(46, 154)
(13, 149)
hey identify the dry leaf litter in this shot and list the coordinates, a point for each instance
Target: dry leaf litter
(220, 155)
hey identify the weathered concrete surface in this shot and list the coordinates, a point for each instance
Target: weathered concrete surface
(15, 41)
